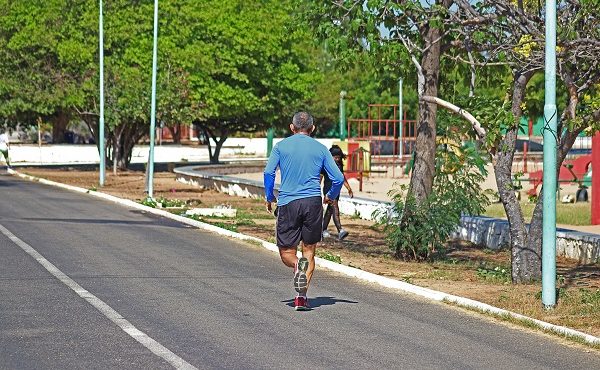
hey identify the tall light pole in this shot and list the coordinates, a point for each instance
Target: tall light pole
(101, 148)
(153, 105)
(342, 115)
(400, 116)
(270, 134)
(550, 177)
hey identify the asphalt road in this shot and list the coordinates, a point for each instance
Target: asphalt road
(209, 302)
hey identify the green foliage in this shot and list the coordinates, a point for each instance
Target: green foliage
(233, 66)
(364, 84)
(329, 256)
(420, 231)
(253, 67)
(244, 222)
(37, 44)
(566, 213)
(591, 298)
(149, 202)
(226, 226)
(166, 203)
(498, 274)
(193, 217)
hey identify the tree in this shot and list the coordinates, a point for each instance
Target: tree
(36, 46)
(228, 67)
(513, 34)
(397, 33)
(248, 65)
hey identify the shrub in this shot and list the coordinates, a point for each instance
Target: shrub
(420, 231)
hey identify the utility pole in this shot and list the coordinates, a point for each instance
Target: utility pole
(101, 147)
(342, 115)
(153, 106)
(549, 181)
(270, 133)
(400, 117)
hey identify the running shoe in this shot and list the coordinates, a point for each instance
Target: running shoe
(301, 303)
(300, 279)
(343, 234)
(326, 234)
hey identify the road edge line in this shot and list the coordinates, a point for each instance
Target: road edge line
(330, 265)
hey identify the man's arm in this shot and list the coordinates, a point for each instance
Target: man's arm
(269, 176)
(336, 176)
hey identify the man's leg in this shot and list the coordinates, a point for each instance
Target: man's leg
(288, 256)
(308, 252)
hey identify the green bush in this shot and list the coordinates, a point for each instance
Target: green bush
(420, 231)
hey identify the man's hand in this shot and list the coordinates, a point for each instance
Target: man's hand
(350, 193)
(269, 206)
(326, 200)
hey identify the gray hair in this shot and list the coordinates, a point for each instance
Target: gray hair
(302, 121)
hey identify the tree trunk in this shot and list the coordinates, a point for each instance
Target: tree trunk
(421, 181)
(175, 133)
(520, 255)
(209, 134)
(59, 127)
(124, 138)
(526, 264)
(214, 157)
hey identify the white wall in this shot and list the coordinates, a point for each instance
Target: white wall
(70, 153)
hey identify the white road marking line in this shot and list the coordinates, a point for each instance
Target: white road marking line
(155, 347)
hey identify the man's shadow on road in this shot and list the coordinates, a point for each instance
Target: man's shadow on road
(317, 302)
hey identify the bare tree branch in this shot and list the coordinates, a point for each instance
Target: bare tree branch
(480, 131)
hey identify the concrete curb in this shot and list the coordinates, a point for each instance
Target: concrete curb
(346, 270)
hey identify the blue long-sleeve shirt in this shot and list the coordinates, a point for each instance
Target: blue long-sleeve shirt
(300, 159)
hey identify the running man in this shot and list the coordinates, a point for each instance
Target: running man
(300, 159)
(4, 147)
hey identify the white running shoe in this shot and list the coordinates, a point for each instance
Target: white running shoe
(343, 234)
(326, 234)
(300, 278)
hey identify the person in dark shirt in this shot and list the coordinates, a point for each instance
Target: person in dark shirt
(333, 209)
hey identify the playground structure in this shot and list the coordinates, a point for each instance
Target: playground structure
(380, 140)
(572, 171)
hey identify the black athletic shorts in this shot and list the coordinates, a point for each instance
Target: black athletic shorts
(300, 220)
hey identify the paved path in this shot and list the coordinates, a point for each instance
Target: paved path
(130, 290)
